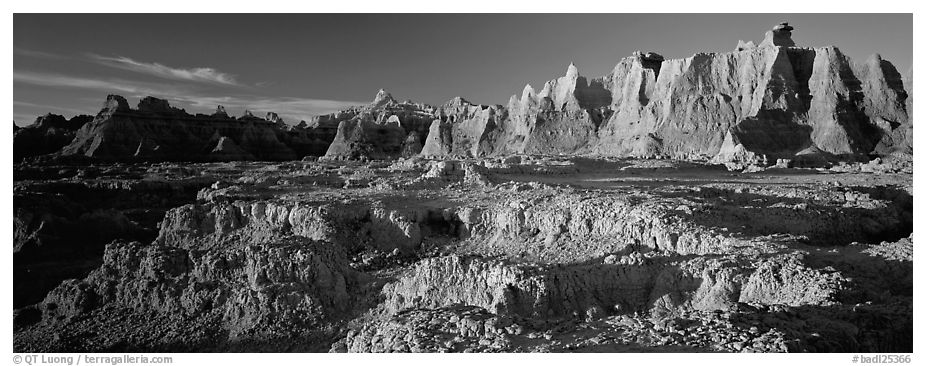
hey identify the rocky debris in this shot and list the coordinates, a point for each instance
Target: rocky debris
(894, 163)
(442, 173)
(290, 283)
(451, 329)
(901, 250)
(356, 224)
(509, 254)
(658, 285)
(460, 328)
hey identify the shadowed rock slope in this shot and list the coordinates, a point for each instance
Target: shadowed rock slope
(48, 134)
(155, 131)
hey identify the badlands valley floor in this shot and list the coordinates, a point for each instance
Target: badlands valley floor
(515, 254)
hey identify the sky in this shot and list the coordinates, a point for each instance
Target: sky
(301, 65)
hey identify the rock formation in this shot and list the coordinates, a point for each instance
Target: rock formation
(291, 283)
(768, 102)
(752, 106)
(48, 134)
(379, 130)
(155, 131)
(481, 254)
(778, 36)
(462, 128)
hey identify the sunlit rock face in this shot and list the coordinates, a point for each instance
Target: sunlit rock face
(380, 130)
(755, 105)
(771, 101)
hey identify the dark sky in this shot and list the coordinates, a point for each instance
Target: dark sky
(304, 64)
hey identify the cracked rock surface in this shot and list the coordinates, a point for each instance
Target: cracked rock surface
(516, 254)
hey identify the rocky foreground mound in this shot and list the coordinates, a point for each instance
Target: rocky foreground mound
(497, 254)
(754, 105)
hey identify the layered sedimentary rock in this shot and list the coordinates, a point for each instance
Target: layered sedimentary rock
(155, 131)
(885, 92)
(766, 102)
(559, 119)
(386, 128)
(755, 105)
(49, 133)
(463, 129)
(622, 285)
(221, 224)
(498, 253)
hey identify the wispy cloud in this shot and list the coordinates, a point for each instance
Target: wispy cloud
(198, 74)
(292, 109)
(35, 53)
(58, 80)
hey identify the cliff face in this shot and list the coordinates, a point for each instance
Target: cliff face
(754, 105)
(155, 131)
(560, 119)
(385, 128)
(770, 101)
(463, 129)
(888, 103)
